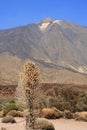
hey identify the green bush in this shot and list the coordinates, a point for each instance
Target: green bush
(6, 100)
(43, 124)
(1, 107)
(9, 107)
(8, 119)
(21, 106)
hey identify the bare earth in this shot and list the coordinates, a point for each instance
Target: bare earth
(60, 124)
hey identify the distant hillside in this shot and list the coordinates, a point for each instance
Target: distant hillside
(58, 47)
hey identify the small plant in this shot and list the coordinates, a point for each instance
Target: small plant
(8, 119)
(9, 107)
(43, 124)
(15, 113)
(1, 107)
(20, 114)
(12, 113)
(21, 106)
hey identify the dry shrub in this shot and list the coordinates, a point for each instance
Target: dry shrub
(66, 98)
(52, 113)
(43, 124)
(58, 114)
(12, 113)
(1, 114)
(81, 116)
(25, 112)
(48, 113)
(20, 114)
(9, 107)
(15, 113)
(67, 114)
(8, 119)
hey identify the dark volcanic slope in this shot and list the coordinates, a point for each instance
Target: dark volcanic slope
(59, 48)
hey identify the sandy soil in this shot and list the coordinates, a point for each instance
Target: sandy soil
(65, 124)
(60, 124)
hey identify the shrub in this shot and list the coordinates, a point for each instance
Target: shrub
(8, 119)
(25, 112)
(48, 113)
(12, 113)
(21, 106)
(1, 114)
(15, 113)
(20, 114)
(1, 107)
(52, 113)
(9, 107)
(57, 113)
(43, 124)
(62, 98)
(68, 114)
(66, 98)
(80, 116)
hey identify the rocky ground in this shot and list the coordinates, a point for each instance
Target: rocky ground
(60, 124)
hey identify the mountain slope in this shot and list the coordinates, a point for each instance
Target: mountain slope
(58, 47)
(65, 44)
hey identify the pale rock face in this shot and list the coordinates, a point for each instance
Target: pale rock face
(82, 69)
(57, 21)
(43, 26)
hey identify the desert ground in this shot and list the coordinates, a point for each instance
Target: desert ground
(60, 124)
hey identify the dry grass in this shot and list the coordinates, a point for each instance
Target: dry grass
(81, 116)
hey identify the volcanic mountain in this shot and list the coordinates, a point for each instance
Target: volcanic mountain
(58, 47)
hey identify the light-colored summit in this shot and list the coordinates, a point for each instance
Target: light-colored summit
(57, 21)
(47, 22)
(43, 26)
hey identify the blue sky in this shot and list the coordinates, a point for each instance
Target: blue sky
(21, 12)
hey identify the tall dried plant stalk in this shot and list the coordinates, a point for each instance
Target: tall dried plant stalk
(30, 79)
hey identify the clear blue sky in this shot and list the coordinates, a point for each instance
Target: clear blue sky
(21, 12)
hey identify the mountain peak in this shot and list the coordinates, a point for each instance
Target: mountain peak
(46, 20)
(44, 23)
